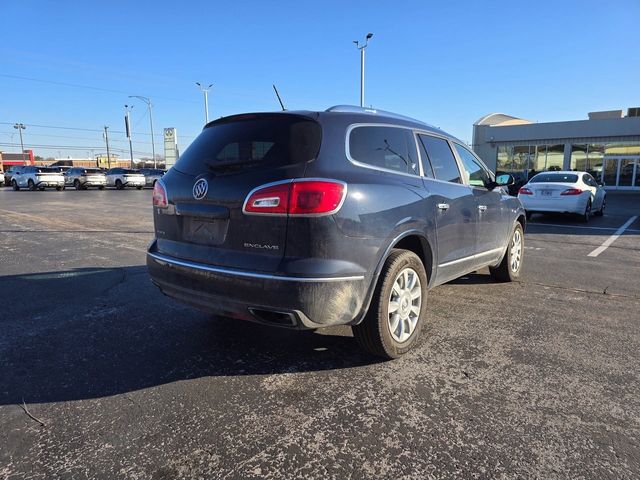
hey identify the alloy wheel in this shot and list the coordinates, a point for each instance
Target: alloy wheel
(515, 250)
(404, 305)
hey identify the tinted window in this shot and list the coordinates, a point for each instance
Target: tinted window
(248, 141)
(477, 176)
(385, 147)
(426, 163)
(554, 178)
(441, 157)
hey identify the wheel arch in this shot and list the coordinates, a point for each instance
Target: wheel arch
(413, 240)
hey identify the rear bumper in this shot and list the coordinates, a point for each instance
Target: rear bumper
(576, 204)
(286, 301)
(50, 183)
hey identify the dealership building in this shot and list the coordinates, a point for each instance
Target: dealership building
(607, 145)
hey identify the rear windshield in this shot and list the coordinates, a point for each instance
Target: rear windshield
(554, 178)
(251, 141)
(92, 170)
(47, 170)
(131, 172)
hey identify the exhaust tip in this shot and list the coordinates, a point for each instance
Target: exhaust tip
(274, 317)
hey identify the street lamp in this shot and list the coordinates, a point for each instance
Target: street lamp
(20, 127)
(149, 105)
(127, 128)
(205, 92)
(362, 49)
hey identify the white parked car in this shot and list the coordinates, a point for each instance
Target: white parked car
(82, 178)
(37, 178)
(563, 192)
(123, 177)
(1, 179)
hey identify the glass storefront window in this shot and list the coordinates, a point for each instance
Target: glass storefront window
(538, 165)
(579, 157)
(595, 159)
(620, 149)
(521, 158)
(555, 157)
(504, 160)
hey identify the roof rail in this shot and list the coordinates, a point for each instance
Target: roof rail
(373, 111)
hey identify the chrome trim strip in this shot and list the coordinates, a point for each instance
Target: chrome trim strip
(240, 273)
(472, 257)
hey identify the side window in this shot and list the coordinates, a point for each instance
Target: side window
(476, 174)
(441, 157)
(589, 180)
(426, 163)
(385, 147)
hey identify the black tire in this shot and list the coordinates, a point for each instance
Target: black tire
(139, 188)
(374, 333)
(506, 272)
(76, 184)
(14, 185)
(119, 185)
(31, 185)
(600, 212)
(59, 188)
(528, 215)
(584, 218)
(101, 187)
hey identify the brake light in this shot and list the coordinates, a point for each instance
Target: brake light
(299, 197)
(525, 191)
(572, 191)
(160, 195)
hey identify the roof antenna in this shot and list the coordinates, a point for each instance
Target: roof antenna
(279, 99)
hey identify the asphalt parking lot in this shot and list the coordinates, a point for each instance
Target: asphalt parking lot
(103, 377)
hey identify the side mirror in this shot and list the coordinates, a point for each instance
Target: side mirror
(505, 180)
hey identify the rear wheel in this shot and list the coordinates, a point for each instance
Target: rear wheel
(139, 188)
(511, 264)
(101, 187)
(119, 185)
(587, 213)
(76, 184)
(601, 211)
(31, 185)
(393, 323)
(14, 185)
(59, 188)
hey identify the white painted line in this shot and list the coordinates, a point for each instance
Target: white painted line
(607, 243)
(582, 227)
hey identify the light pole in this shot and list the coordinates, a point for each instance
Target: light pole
(127, 128)
(205, 92)
(20, 127)
(362, 49)
(149, 105)
(106, 141)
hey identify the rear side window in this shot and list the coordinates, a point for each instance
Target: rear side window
(477, 174)
(441, 157)
(252, 141)
(387, 148)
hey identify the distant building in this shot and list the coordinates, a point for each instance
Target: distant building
(9, 159)
(607, 145)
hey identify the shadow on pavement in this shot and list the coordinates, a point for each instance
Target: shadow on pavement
(89, 333)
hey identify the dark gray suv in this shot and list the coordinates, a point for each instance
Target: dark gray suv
(347, 216)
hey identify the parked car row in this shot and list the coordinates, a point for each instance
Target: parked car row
(81, 178)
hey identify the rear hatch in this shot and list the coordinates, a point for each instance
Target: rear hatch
(234, 155)
(95, 176)
(133, 176)
(49, 175)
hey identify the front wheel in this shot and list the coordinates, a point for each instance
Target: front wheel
(119, 185)
(15, 185)
(511, 264)
(393, 323)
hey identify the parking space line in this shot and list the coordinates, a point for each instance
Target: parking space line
(607, 243)
(582, 227)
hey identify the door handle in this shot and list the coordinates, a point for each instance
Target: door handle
(443, 206)
(482, 208)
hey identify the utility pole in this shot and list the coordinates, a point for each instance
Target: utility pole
(20, 127)
(106, 140)
(205, 92)
(149, 105)
(127, 128)
(362, 49)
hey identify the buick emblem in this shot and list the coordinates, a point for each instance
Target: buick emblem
(200, 189)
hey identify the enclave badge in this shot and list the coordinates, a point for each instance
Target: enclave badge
(200, 189)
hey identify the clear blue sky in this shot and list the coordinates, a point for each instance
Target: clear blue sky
(447, 63)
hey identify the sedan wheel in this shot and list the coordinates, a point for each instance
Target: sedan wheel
(587, 213)
(31, 185)
(600, 212)
(14, 185)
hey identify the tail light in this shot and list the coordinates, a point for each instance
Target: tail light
(572, 191)
(525, 191)
(160, 195)
(298, 197)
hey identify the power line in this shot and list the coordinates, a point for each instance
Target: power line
(72, 147)
(91, 129)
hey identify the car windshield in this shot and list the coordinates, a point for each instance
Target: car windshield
(554, 178)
